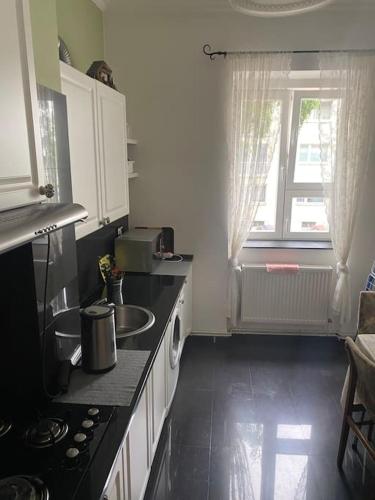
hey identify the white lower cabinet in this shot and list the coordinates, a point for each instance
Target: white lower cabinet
(158, 395)
(136, 450)
(128, 480)
(187, 305)
(116, 485)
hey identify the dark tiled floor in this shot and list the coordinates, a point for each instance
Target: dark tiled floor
(257, 418)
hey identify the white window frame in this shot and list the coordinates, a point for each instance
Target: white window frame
(290, 235)
(287, 189)
(284, 97)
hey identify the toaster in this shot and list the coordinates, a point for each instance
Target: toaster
(135, 249)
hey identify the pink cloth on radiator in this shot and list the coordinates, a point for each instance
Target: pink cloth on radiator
(282, 268)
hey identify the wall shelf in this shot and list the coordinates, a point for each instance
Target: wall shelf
(133, 175)
(131, 141)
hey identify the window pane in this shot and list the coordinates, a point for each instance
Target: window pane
(316, 142)
(308, 215)
(303, 153)
(265, 219)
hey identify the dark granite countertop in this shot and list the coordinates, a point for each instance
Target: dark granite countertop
(159, 294)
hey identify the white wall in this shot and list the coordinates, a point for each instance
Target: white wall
(174, 101)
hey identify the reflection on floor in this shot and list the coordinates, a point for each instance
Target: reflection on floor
(258, 418)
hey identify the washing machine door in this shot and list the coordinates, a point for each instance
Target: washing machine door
(175, 343)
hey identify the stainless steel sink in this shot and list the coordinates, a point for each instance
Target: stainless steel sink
(132, 320)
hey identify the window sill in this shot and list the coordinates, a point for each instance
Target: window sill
(296, 244)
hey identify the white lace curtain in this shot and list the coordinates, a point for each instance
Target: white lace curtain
(250, 124)
(350, 140)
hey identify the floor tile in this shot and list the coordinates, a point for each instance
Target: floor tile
(196, 371)
(258, 418)
(346, 485)
(192, 403)
(246, 472)
(182, 474)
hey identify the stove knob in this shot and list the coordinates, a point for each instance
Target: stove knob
(87, 424)
(93, 413)
(80, 438)
(72, 458)
(72, 453)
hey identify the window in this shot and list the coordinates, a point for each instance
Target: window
(292, 202)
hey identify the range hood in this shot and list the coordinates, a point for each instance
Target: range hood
(22, 225)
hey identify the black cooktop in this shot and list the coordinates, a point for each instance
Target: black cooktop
(46, 453)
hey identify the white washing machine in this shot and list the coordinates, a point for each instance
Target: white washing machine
(173, 352)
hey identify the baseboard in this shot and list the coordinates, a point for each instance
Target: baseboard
(239, 331)
(205, 333)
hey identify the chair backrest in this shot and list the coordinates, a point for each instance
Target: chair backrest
(366, 313)
(364, 368)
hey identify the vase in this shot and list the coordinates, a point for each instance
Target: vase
(114, 292)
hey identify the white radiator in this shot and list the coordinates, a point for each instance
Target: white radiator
(300, 298)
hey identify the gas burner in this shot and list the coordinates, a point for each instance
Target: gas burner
(5, 426)
(23, 487)
(47, 432)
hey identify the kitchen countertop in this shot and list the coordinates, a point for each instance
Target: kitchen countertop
(158, 293)
(165, 267)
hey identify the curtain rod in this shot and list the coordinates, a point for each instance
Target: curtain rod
(212, 54)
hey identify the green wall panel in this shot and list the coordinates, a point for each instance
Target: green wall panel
(44, 32)
(80, 25)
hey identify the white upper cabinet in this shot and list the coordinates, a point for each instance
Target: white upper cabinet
(113, 151)
(20, 145)
(84, 154)
(98, 151)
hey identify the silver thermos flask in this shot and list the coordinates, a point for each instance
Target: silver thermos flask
(98, 338)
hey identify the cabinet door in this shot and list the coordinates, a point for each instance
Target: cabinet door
(137, 449)
(80, 91)
(158, 379)
(187, 306)
(113, 152)
(168, 369)
(21, 166)
(116, 490)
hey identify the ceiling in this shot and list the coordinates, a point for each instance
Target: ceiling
(213, 6)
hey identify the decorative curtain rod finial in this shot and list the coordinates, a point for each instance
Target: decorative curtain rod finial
(208, 52)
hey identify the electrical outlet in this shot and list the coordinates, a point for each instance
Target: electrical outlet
(120, 230)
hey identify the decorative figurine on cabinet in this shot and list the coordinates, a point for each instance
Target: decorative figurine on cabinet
(99, 70)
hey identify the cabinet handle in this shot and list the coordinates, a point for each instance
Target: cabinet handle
(104, 221)
(48, 190)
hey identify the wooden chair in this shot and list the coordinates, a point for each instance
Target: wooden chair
(365, 326)
(366, 313)
(362, 384)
